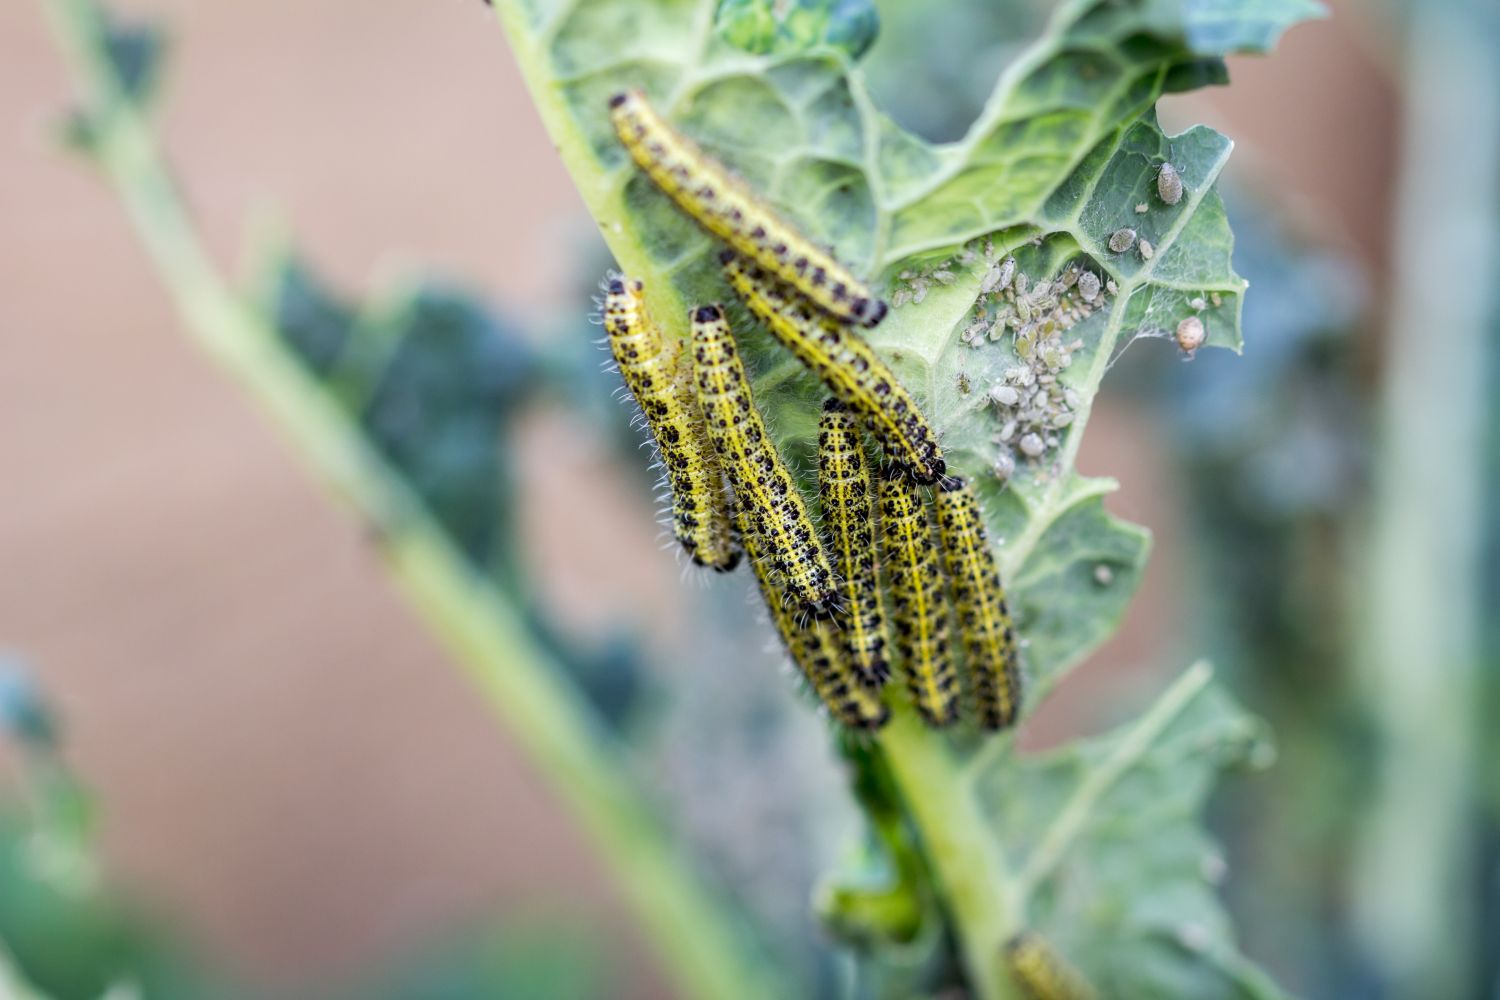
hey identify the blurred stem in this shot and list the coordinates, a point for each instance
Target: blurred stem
(978, 891)
(1417, 644)
(693, 933)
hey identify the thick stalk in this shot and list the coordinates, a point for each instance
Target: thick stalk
(978, 891)
(695, 937)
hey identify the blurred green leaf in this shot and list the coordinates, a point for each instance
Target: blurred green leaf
(1130, 895)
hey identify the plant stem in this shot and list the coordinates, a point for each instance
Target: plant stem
(977, 889)
(694, 934)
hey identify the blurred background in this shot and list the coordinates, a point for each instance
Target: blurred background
(209, 678)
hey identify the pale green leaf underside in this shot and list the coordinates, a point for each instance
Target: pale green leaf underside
(1132, 900)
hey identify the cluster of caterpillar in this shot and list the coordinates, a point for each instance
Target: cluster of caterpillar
(830, 612)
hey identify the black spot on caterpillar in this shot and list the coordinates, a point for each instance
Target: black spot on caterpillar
(847, 365)
(654, 375)
(813, 644)
(724, 205)
(1040, 973)
(991, 649)
(762, 483)
(846, 490)
(919, 614)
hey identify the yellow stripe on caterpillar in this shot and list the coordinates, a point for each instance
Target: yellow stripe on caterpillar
(812, 644)
(847, 365)
(724, 205)
(847, 491)
(1040, 973)
(653, 373)
(919, 614)
(985, 628)
(763, 485)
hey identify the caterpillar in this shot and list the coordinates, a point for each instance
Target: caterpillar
(919, 614)
(1040, 973)
(761, 481)
(724, 205)
(847, 365)
(813, 645)
(984, 623)
(655, 377)
(845, 488)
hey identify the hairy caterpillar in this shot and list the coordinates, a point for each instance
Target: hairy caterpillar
(1040, 973)
(813, 645)
(665, 392)
(726, 207)
(920, 614)
(846, 490)
(848, 366)
(984, 622)
(762, 484)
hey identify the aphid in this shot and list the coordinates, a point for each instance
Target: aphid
(813, 645)
(1142, 208)
(1121, 240)
(998, 278)
(988, 634)
(1147, 250)
(762, 484)
(666, 394)
(846, 491)
(1169, 184)
(919, 613)
(1190, 335)
(724, 205)
(1040, 973)
(847, 365)
(1088, 286)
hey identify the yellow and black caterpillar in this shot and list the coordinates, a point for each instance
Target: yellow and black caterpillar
(847, 491)
(724, 205)
(920, 615)
(653, 374)
(763, 485)
(991, 649)
(813, 644)
(1040, 973)
(847, 365)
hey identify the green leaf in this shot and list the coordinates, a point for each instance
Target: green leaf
(1118, 874)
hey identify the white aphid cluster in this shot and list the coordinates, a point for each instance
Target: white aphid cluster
(1031, 403)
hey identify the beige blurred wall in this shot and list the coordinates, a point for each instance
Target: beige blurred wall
(286, 761)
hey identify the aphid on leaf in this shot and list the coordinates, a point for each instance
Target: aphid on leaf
(919, 613)
(847, 365)
(1121, 240)
(1168, 184)
(724, 205)
(1040, 973)
(846, 490)
(813, 644)
(763, 485)
(668, 399)
(1190, 335)
(992, 651)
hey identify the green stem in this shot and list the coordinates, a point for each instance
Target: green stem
(978, 891)
(692, 931)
